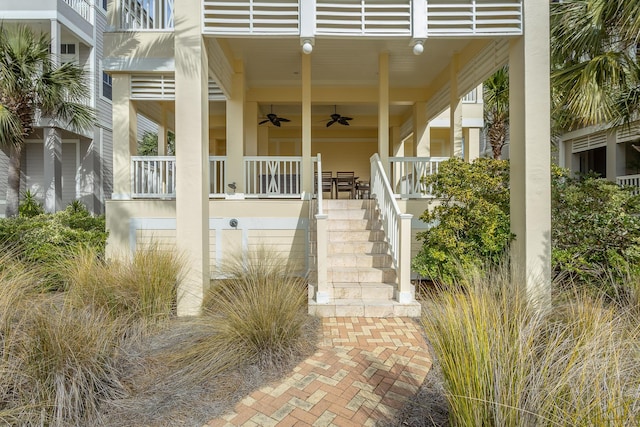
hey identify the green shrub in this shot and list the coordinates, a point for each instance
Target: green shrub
(506, 364)
(44, 239)
(29, 206)
(596, 230)
(471, 226)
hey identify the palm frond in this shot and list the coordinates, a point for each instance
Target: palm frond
(10, 128)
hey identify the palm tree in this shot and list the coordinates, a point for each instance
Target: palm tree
(496, 109)
(594, 57)
(31, 83)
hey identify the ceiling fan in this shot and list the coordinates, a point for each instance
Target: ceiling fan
(337, 118)
(274, 119)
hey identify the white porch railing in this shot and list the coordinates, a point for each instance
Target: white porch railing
(82, 7)
(363, 17)
(153, 176)
(146, 14)
(470, 17)
(217, 176)
(407, 172)
(630, 181)
(397, 227)
(266, 176)
(250, 17)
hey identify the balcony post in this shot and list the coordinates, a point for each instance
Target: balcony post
(307, 164)
(251, 128)
(125, 129)
(235, 130)
(52, 156)
(192, 156)
(421, 130)
(383, 109)
(471, 144)
(615, 157)
(529, 154)
(455, 113)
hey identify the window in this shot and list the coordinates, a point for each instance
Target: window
(107, 86)
(68, 49)
(104, 4)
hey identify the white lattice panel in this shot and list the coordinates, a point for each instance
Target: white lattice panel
(364, 17)
(470, 17)
(588, 142)
(251, 17)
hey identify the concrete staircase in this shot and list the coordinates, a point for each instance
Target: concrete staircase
(362, 280)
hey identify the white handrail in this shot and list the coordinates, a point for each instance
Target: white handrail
(319, 183)
(397, 227)
(153, 176)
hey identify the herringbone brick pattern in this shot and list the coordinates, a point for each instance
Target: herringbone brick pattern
(364, 370)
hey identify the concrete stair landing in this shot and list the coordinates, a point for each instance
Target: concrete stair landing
(360, 273)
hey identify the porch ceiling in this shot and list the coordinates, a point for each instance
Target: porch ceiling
(341, 62)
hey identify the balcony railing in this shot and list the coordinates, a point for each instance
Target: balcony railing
(82, 7)
(153, 176)
(270, 176)
(630, 181)
(468, 17)
(386, 18)
(406, 174)
(217, 176)
(145, 14)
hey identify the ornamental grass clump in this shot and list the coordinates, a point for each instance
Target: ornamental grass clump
(57, 363)
(143, 287)
(506, 362)
(255, 313)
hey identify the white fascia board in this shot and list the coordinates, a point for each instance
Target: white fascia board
(165, 65)
(578, 133)
(472, 122)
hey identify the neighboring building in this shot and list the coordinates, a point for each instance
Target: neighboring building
(224, 76)
(611, 152)
(72, 166)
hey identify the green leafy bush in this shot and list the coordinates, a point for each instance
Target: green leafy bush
(30, 207)
(595, 225)
(596, 229)
(471, 225)
(44, 239)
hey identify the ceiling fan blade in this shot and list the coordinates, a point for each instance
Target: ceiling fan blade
(263, 122)
(330, 122)
(276, 122)
(347, 118)
(282, 119)
(343, 122)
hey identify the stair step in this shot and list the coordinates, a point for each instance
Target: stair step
(356, 236)
(357, 248)
(353, 224)
(361, 275)
(364, 308)
(359, 260)
(377, 291)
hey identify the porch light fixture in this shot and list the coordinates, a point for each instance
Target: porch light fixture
(307, 46)
(418, 47)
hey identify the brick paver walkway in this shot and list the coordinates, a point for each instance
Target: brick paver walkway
(363, 371)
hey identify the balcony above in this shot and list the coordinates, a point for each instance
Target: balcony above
(418, 19)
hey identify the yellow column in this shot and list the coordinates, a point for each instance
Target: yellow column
(235, 130)
(307, 164)
(471, 144)
(530, 154)
(455, 113)
(192, 156)
(263, 141)
(162, 133)
(251, 129)
(421, 130)
(125, 142)
(383, 109)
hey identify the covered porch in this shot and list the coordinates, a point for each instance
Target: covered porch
(216, 90)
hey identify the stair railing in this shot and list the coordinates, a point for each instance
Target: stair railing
(397, 228)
